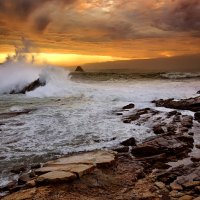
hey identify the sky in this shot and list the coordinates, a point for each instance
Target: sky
(74, 32)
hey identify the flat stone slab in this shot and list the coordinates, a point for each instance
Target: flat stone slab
(80, 169)
(98, 158)
(56, 176)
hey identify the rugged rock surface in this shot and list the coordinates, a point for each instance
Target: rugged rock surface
(32, 86)
(192, 104)
(15, 114)
(159, 168)
(197, 116)
(129, 106)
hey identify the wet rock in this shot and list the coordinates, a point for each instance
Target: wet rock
(197, 146)
(129, 106)
(197, 116)
(129, 142)
(172, 113)
(157, 129)
(18, 169)
(195, 159)
(122, 149)
(187, 121)
(23, 179)
(56, 177)
(137, 114)
(15, 114)
(7, 187)
(170, 145)
(192, 104)
(32, 86)
(198, 92)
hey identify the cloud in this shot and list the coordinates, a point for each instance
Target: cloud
(180, 15)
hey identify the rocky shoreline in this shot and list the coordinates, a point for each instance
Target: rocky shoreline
(165, 166)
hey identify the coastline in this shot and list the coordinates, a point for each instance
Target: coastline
(165, 166)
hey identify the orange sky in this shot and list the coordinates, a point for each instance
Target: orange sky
(74, 32)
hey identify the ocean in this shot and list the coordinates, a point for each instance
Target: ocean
(76, 112)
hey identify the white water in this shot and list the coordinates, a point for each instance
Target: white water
(72, 116)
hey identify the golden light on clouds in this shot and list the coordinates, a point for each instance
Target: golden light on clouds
(66, 60)
(72, 32)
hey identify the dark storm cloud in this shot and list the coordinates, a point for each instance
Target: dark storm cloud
(180, 15)
(22, 9)
(41, 22)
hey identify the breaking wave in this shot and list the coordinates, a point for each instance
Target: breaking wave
(180, 75)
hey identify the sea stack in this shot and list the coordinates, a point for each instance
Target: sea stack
(79, 69)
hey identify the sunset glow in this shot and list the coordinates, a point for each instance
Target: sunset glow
(73, 32)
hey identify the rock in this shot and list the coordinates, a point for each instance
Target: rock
(23, 179)
(197, 116)
(197, 189)
(198, 198)
(192, 104)
(157, 129)
(175, 194)
(186, 197)
(98, 158)
(79, 169)
(171, 145)
(15, 114)
(22, 195)
(198, 92)
(176, 186)
(197, 146)
(191, 184)
(31, 184)
(18, 169)
(56, 177)
(160, 185)
(129, 142)
(187, 121)
(79, 69)
(9, 185)
(32, 86)
(129, 106)
(137, 114)
(195, 159)
(122, 149)
(191, 133)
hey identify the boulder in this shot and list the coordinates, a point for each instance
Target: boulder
(129, 106)
(157, 129)
(170, 145)
(192, 104)
(129, 142)
(32, 86)
(197, 116)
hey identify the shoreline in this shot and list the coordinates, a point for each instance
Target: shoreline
(165, 166)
